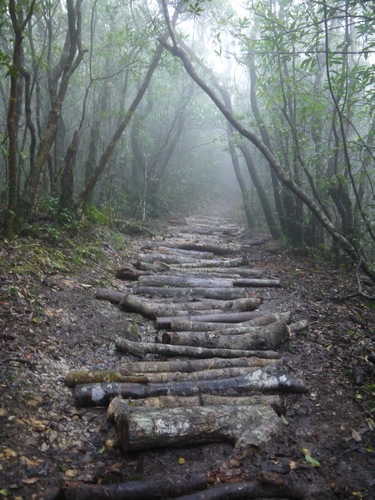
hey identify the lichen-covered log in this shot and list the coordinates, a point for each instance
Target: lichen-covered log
(119, 405)
(263, 337)
(149, 309)
(93, 376)
(140, 349)
(242, 426)
(165, 322)
(192, 365)
(200, 292)
(262, 379)
(260, 319)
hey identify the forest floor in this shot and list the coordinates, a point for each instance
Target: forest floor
(51, 323)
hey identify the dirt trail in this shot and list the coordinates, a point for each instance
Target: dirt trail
(321, 447)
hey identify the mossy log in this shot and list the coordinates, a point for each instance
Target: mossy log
(242, 426)
(140, 349)
(75, 377)
(263, 337)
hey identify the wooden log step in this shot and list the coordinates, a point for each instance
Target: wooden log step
(197, 254)
(242, 426)
(165, 322)
(191, 365)
(140, 349)
(198, 263)
(264, 337)
(266, 379)
(206, 282)
(259, 319)
(168, 258)
(152, 310)
(119, 405)
(199, 292)
(76, 377)
(210, 247)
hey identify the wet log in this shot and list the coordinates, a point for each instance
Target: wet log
(133, 303)
(184, 281)
(231, 371)
(159, 487)
(100, 376)
(167, 258)
(282, 487)
(263, 379)
(200, 292)
(130, 273)
(192, 365)
(140, 349)
(113, 296)
(119, 405)
(256, 283)
(205, 282)
(242, 426)
(217, 272)
(75, 377)
(264, 337)
(165, 322)
(215, 263)
(207, 247)
(181, 325)
(171, 249)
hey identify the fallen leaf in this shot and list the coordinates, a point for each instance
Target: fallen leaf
(181, 460)
(71, 473)
(30, 480)
(309, 459)
(356, 436)
(284, 420)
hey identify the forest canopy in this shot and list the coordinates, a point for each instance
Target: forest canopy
(136, 109)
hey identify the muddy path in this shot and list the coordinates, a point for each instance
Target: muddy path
(315, 441)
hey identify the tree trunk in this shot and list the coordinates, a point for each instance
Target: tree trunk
(70, 64)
